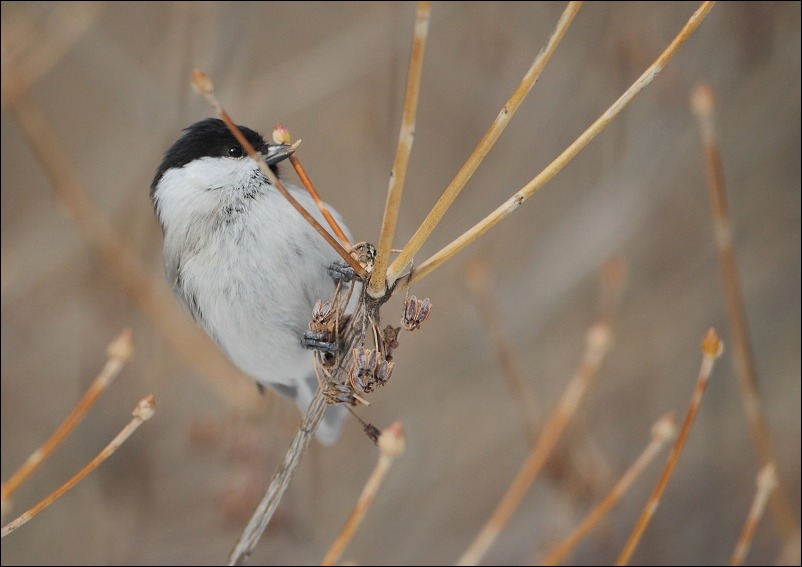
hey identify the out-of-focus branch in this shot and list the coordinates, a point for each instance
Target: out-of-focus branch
(598, 343)
(712, 347)
(703, 105)
(119, 353)
(142, 412)
(151, 296)
(391, 445)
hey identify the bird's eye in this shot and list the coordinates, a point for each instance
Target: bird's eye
(235, 152)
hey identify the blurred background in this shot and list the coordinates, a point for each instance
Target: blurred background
(110, 83)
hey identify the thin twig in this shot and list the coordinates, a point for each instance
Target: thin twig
(309, 424)
(613, 279)
(476, 276)
(766, 484)
(282, 136)
(391, 445)
(399, 265)
(324, 210)
(512, 204)
(203, 84)
(278, 485)
(712, 347)
(150, 295)
(378, 285)
(662, 432)
(703, 105)
(119, 352)
(142, 412)
(599, 338)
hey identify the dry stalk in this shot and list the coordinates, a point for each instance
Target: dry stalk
(378, 284)
(662, 432)
(281, 480)
(282, 136)
(142, 412)
(203, 84)
(150, 295)
(324, 210)
(119, 352)
(476, 280)
(703, 105)
(391, 445)
(599, 339)
(286, 470)
(399, 265)
(512, 204)
(712, 347)
(766, 484)
(613, 279)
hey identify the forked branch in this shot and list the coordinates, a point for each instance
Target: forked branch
(563, 159)
(485, 144)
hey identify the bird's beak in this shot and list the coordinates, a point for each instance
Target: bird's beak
(278, 153)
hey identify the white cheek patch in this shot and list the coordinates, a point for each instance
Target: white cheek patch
(189, 190)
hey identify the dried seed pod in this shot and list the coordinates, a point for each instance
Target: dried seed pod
(361, 377)
(415, 312)
(369, 369)
(339, 394)
(390, 340)
(384, 371)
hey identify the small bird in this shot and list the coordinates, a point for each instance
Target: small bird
(247, 265)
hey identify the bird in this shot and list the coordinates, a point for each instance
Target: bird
(245, 263)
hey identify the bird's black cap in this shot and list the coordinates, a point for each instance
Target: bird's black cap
(208, 138)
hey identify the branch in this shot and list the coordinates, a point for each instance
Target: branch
(598, 344)
(278, 485)
(142, 412)
(512, 204)
(150, 295)
(662, 432)
(119, 352)
(703, 105)
(391, 445)
(766, 484)
(485, 144)
(203, 84)
(378, 285)
(712, 347)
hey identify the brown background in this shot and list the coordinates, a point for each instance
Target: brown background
(182, 488)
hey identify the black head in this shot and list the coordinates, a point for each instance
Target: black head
(208, 138)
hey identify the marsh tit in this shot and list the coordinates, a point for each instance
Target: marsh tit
(243, 260)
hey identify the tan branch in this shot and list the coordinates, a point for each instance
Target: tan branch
(712, 347)
(662, 432)
(143, 411)
(512, 204)
(378, 285)
(391, 445)
(485, 144)
(703, 105)
(599, 339)
(119, 352)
